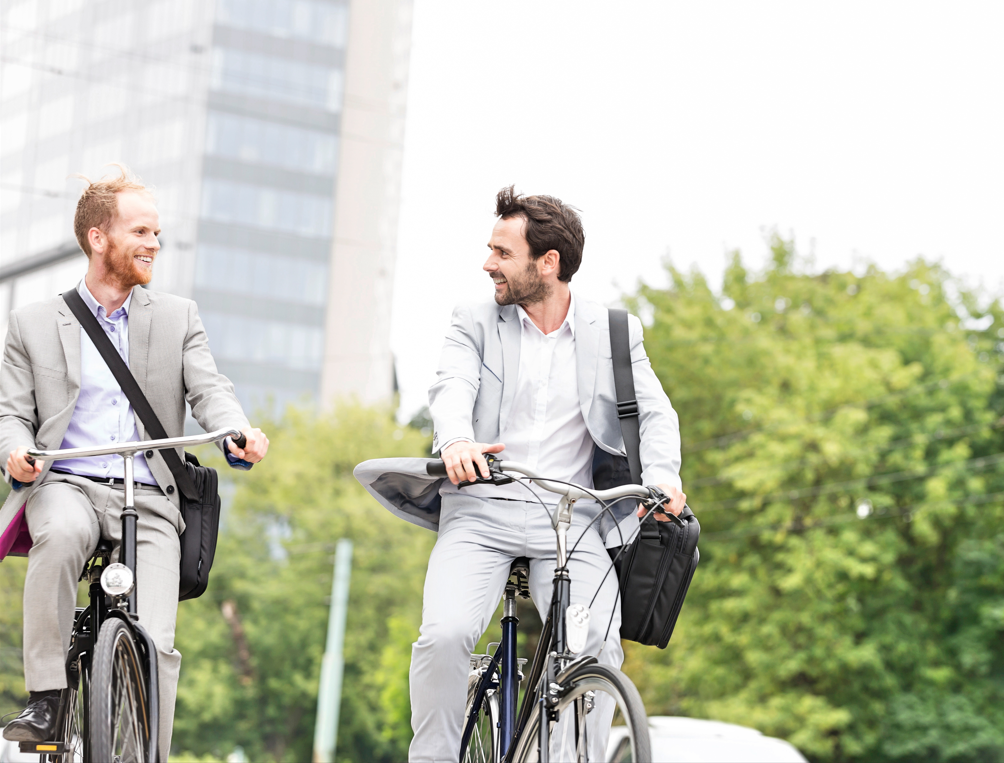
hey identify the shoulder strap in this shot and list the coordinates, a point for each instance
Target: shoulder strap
(627, 405)
(131, 389)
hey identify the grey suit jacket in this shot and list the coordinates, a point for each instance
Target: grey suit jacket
(168, 354)
(473, 395)
(476, 381)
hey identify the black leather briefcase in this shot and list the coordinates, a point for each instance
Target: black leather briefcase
(655, 569)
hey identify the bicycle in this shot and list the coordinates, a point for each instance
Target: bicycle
(109, 710)
(562, 689)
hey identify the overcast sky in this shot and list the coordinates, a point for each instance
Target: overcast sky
(869, 130)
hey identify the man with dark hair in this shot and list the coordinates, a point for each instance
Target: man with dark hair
(529, 377)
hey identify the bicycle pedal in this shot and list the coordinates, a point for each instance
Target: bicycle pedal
(43, 748)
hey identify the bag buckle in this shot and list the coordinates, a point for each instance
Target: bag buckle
(626, 408)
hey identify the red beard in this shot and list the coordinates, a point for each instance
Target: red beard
(124, 269)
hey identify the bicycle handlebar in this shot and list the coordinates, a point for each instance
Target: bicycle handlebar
(127, 448)
(437, 468)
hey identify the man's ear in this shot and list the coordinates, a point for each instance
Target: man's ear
(97, 239)
(550, 262)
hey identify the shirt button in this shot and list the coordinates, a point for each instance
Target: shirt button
(113, 438)
(115, 401)
(111, 328)
(104, 466)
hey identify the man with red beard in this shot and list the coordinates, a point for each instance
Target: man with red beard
(57, 392)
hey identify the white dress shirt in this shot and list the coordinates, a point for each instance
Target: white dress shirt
(545, 429)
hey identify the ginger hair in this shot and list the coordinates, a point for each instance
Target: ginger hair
(98, 204)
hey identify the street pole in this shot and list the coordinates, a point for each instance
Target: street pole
(330, 693)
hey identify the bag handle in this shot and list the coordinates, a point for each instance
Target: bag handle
(627, 404)
(131, 389)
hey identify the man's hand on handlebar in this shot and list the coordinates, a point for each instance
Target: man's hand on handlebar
(677, 500)
(462, 457)
(20, 468)
(254, 449)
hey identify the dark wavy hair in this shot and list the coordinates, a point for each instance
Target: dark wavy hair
(550, 224)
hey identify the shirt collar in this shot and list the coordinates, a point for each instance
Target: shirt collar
(569, 317)
(95, 307)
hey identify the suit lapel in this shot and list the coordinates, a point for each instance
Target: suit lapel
(69, 336)
(509, 334)
(587, 344)
(140, 320)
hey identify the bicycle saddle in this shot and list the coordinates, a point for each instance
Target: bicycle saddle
(104, 548)
(520, 566)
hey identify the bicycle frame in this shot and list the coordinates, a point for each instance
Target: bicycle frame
(122, 607)
(552, 657)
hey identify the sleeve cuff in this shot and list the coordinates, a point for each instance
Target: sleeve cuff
(232, 460)
(448, 443)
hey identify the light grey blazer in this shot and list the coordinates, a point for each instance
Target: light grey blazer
(473, 395)
(168, 354)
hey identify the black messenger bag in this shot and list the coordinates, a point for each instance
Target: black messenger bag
(198, 486)
(655, 569)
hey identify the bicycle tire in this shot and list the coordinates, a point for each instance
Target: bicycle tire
(484, 744)
(574, 706)
(119, 729)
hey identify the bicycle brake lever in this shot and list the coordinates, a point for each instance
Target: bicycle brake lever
(658, 498)
(497, 476)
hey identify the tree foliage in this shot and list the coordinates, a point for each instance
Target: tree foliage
(253, 644)
(843, 450)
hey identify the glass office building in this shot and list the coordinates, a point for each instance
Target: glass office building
(232, 111)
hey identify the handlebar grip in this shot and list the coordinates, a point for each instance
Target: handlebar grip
(241, 442)
(30, 460)
(436, 468)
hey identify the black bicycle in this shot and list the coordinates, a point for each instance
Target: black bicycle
(563, 689)
(109, 711)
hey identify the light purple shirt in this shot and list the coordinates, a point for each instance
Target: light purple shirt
(103, 415)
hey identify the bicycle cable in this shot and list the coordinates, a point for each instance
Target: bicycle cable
(605, 506)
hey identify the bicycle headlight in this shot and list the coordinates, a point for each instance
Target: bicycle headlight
(117, 580)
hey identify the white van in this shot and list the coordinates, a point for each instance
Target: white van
(691, 740)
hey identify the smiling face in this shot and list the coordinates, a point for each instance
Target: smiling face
(511, 266)
(129, 246)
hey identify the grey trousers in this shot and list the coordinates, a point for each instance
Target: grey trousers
(468, 568)
(67, 516)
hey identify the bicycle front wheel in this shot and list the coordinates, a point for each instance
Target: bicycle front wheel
(483, 745)
(119, 727)
(591, 697)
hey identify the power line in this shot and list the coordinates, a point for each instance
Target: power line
(980, 462)
(884, 448)
(303, 95)
(821, 524)
(725, 439)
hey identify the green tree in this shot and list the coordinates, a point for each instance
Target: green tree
(252, 645)
(12, 693)
(843, 451)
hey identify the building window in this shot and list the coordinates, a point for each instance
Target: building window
(240, 271)
(252, 340)
(279, 79)
(305, 214)
(261, 142)
(321, 22)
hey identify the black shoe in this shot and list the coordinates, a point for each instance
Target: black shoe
(36, 723)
